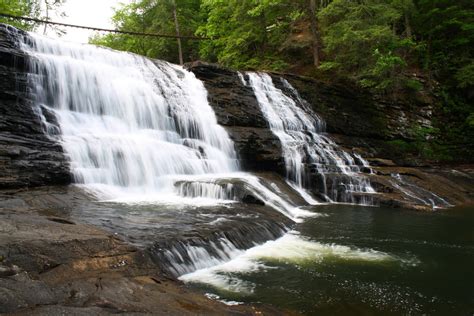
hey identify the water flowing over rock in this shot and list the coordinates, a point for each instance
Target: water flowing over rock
(128, 126)
(306, 149)
(138, 131)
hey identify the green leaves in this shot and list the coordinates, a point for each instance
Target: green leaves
(465, 76)
(155, 17)
(360, 40)
(250, 34)
(29, 8)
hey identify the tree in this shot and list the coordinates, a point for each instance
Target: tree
(48, 6)
(362, 40)
(447, 30)
(39, 9)
(315, 32)
(20, 8)
(155, 17)
(176, 24)
(251, 34)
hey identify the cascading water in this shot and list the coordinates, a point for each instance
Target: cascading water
(128, 125)
(418, 194)
(305, 147)
(141, 131)
(137, 130)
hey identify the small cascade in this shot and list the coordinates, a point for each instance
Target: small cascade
(239, 187)
(179, 257)
(418, 194)
(199, 189)
(306, 150)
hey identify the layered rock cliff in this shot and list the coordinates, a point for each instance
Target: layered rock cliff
(27, 156)
(360, 122)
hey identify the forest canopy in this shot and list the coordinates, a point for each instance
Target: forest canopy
(380, 43)
(39, 9)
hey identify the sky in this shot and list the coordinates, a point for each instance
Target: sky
(97, 13)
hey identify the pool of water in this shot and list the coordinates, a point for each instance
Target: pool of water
(358, 261)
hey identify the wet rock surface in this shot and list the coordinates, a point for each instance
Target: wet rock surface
(237, 110)
(424, 188)
(27, 156)
(356, 120)
(51, 262)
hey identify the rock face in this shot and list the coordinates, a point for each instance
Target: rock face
(354, 117)
(27, 156)
(237, 110)
(356, 120)
(369, 122)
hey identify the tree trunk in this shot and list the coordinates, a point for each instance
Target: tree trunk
(47, 16)
(176, 24)
(315, 33)
(263, 24)
(407, 26)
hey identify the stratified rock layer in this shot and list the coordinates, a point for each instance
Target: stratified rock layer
(237, 109)
(27, 156)
(356, 120)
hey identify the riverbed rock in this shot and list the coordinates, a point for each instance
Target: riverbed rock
(52, 264)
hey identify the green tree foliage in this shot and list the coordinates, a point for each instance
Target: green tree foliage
(246, 34)
(258, 34)
(447, 30)
(41, 9)
(29, 8)
(153, 16)
(369, 40)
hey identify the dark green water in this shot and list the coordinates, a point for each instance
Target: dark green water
(429, 270)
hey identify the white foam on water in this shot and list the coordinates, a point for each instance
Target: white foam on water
(289, 249)
(218, 298)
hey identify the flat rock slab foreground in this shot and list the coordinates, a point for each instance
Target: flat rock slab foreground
(50, 265)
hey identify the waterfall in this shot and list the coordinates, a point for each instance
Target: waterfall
(137, 130)
(127, 124)
(305, 147)
(141, 131)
